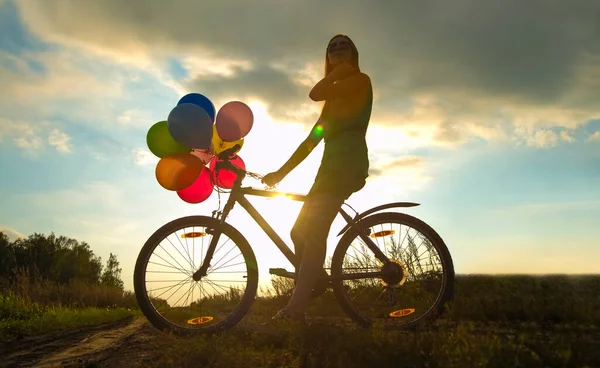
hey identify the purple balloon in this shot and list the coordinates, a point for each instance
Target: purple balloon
(234, 121)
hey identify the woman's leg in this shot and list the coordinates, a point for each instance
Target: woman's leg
(322, 210)
(298, 233)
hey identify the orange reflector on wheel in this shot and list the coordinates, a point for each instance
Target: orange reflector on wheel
(197, 234)
(199, 320)
(379, 234)
(402, 312)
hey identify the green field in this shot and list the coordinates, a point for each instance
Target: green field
(495, 321)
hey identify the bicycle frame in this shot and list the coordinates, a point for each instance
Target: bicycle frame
(237, 195)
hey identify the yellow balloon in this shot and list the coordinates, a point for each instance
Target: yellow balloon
(218, 145)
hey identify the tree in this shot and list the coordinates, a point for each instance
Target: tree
(8, 260)
(112, 273)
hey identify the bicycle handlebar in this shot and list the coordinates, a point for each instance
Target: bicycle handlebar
(224, 163)
(225, 155)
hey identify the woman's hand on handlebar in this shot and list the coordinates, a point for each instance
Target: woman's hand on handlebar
(272, 179)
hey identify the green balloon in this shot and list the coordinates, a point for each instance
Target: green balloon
(161, 143)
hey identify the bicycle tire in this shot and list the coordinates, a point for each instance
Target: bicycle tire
(143, 299)
(445, 296)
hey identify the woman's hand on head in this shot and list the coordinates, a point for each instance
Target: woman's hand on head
(342, 71)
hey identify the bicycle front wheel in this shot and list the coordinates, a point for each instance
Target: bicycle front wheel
(172, 300)
(414, 286)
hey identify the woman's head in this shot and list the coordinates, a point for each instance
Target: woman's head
(340, 49)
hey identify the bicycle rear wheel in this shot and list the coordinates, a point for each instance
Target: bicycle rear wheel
(417, 284)
(172, 300)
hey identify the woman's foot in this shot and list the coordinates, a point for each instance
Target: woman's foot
(319, 289)
(283, 316)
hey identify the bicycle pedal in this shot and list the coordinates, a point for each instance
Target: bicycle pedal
(281, 272)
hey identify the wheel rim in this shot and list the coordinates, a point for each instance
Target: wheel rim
(183, 302)
(414, 282)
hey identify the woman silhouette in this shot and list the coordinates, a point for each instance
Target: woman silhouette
(348, 97)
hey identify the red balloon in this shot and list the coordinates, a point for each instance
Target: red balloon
(226, 178)
(200, 190)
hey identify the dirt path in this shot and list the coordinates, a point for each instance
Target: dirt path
(88, 347)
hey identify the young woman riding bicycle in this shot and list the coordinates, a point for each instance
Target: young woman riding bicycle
(343, 123)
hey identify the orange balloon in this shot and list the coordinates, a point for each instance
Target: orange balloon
(178, 171)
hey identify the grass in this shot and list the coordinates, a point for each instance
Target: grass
(19, 318)
(495, 321)
(324, 345)
(33, 307)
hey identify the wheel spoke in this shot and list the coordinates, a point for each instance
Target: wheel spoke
(182, 282)
(170, 265)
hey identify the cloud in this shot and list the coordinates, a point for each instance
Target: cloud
(283, 95)
(565, 136)
(542, 138)
(60, 141)
(136, 118)
(210, 65)
(443, 72)
(399, 164)
(595, 136)
(26, 136)
(11, 233)
(30, 138)
(406, 173)
(81, 89)
(31, 145)
(143, 157)
(58, 75)
(10, 128)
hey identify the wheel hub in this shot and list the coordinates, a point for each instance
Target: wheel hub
(394, 273)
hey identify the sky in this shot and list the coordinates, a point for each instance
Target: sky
(485, 113)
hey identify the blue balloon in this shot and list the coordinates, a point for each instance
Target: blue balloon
(190, 126)
(200, 100)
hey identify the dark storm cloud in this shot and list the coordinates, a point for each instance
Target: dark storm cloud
(274, 86)
(530, 54)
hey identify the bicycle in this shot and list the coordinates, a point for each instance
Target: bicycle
(394, 273)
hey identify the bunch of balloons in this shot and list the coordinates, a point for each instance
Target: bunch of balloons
(189, 140)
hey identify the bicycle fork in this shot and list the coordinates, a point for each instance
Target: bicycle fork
(216, 234)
